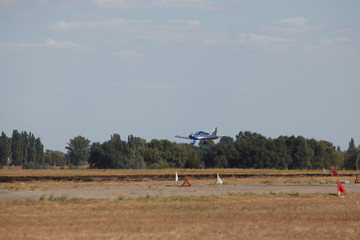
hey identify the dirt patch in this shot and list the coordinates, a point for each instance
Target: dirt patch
(113, 190)
(113, 184)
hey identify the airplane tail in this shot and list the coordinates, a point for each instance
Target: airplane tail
(214, 132)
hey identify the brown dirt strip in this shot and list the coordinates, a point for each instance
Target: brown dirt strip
(166, 189)
(154, 177)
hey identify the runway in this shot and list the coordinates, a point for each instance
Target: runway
(126, 191)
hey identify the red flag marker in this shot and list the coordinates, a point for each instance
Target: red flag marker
(340, 188)
(333, 173)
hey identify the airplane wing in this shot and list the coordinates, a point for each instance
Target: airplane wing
(182, 137)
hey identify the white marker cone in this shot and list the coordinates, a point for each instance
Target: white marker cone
(176, 177)
(219, 179)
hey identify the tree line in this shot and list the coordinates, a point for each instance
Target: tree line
(21, 149)
(247, 150)
(24, 149)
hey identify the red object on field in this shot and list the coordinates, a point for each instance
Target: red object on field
(344, 172)
(186, 183)
(333, 173)
(357, 180)
(340, 187)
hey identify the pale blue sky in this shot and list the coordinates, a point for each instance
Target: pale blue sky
(160, 68)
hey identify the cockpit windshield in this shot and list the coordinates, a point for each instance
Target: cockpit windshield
(199, 133)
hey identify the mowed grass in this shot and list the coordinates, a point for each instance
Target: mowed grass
(232, 216)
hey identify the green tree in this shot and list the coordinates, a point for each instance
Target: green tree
(16, 148)
(232, 155)
(283, 157)
(220, 161)
(54, 158)
(351, 144)
(4, 149)
(34, 153)
(116, 153)
(192, 163)
(135, 142)
(226, 140)
(253, 150)
(97, 156)
(31, 151)
(39, 148)
(351, 155)
(78, 150)
(336, 159)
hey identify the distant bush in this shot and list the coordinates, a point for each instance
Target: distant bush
(32, 165)
(73, 166)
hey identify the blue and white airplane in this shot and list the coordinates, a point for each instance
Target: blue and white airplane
(201, 136)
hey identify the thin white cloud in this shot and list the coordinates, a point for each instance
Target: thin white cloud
(78, 25)
(171, 31)
(332, 41)
(342, 39)
(256, 38)
(146, 4)
(46, 4)
(129, 55)
(129, 30)
(49, 43)
(66, 26)
(292, 26)
(202, 5)
(61, 44)
(116, 22)
(61, 4)
(194, 23)
(296, 21)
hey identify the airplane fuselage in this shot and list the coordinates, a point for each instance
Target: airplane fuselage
(202, 136)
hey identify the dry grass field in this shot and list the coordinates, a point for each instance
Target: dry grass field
(245, 216)
(271, 215)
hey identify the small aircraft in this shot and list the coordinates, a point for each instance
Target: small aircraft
(201, 136)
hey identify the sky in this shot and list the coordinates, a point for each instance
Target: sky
(158, 68)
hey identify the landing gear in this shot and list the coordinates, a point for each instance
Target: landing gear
(193, 142)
